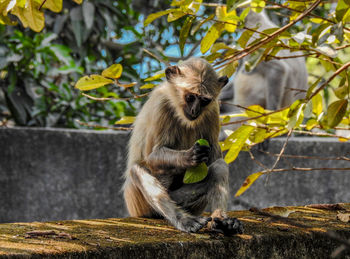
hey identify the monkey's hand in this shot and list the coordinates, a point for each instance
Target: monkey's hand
(197, 154)
(192, 224)
(227, 226)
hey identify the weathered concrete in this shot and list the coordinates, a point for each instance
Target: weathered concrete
(263, 237)
(55, 174)
(48, 174)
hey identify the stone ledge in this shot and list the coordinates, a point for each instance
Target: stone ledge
(264, 237)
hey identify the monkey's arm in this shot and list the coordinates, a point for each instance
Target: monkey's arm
(167, 158)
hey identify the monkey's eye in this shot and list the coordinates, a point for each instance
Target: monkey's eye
(205, 101)
(190, 98)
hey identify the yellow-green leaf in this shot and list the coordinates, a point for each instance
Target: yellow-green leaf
(196, 28)
(114, 71)
(342, 91)
(199, 172)
(147, 86)
(150, 18)
(237, 139)
(218, 46)
(6, 6)
(317, 106)
(248, 182)
(78, 1)
(30, 15)
(229, 69)
(220, 12)
(6, 20)
(185, 29)
(336, 112)
(212, 35)
(126, 120)
(296, 114)
(126, 85)
(311, 124)
(195, 174)
(259, 135)
(53, 5)
(92, 82)
(195, 5)
(173, 16)
(156, 76)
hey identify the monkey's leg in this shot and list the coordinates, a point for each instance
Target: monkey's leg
(218, 196)
(158, 198)
(213, 192)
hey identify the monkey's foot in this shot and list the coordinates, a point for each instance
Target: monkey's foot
(227, 226)
(192, 223)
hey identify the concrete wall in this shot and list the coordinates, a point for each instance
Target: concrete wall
(55, 174)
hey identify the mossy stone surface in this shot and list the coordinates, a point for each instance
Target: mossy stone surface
(264, 237)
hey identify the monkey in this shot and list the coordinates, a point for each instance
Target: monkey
(272, 84)
(181, 110)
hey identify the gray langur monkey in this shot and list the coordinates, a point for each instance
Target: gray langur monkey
(181, 110)
(271, 84)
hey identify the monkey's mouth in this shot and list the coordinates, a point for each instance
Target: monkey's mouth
(190, 116)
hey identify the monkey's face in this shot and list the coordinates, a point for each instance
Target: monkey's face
(195, 88)
(194, 105)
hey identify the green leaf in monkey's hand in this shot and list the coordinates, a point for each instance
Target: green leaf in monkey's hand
(199, 172)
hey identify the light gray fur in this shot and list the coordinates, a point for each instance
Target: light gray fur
(162, 148)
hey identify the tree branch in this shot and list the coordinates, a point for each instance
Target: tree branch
(267, 39)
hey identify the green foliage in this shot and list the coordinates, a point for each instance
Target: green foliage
(38, 70)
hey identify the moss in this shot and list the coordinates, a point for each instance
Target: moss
(151, 238)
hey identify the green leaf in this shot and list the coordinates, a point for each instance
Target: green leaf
(248, 182)
(199, 172)
(237, 139)
(336, 112)
(230, 4)
(185, 31)
(92, 82)
(126, 120)
(212, 35)
(150, 18)
(341, 10)
(203, 142)
(114, 71)
(196, 174)
(342, 90)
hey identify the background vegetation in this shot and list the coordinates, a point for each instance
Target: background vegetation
(125, 46)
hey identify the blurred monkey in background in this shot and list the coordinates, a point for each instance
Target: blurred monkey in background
(272, 84)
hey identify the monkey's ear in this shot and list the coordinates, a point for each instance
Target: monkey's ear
(172, 71)
(223, 80)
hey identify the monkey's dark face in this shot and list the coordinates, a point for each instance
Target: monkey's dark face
(194, 105)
